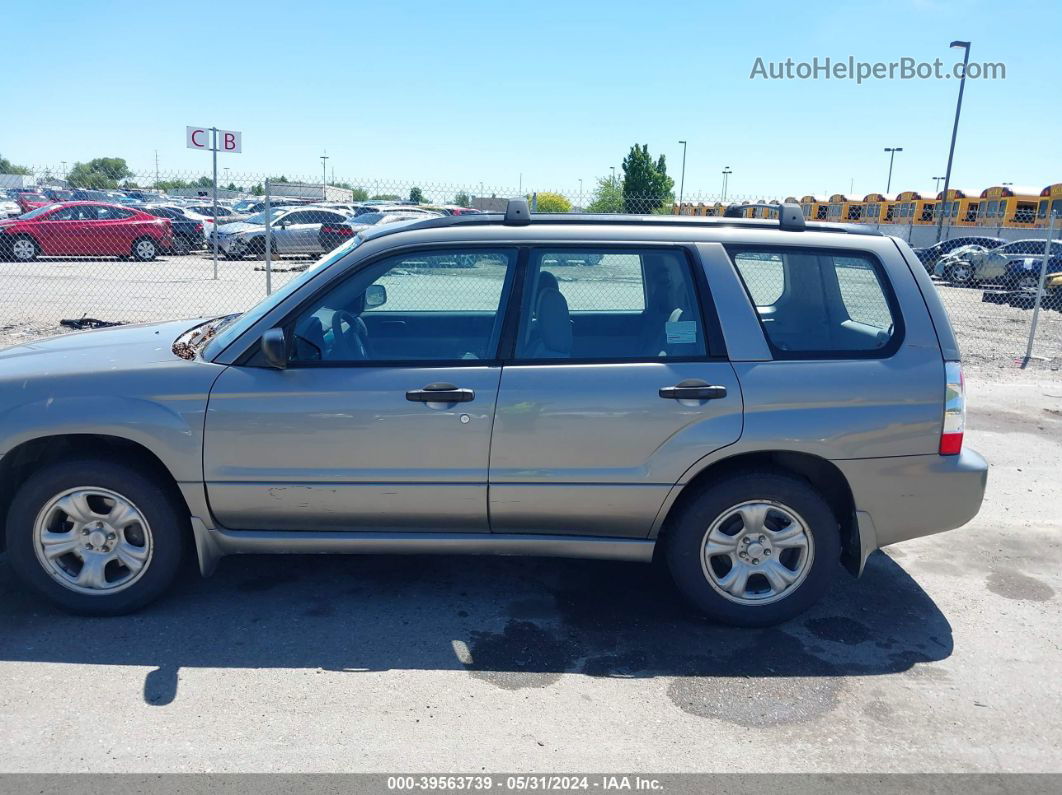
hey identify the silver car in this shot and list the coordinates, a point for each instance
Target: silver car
(991, 265)
(293, 230)
(751, 401)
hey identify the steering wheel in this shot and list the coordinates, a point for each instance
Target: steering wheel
(350, 341)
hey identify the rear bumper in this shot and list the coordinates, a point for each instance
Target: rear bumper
(911, 496)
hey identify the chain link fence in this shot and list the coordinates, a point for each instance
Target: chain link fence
(137, 254)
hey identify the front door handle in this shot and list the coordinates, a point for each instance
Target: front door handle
(693, 389)
(441, 393)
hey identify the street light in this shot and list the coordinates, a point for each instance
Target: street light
(892, 153)
(324, 176)
(682, 184)
(936, 184)
(726, 174)
(612, 179)
(965, 45)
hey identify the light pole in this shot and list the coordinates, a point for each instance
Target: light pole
(936, 184)
(682, 184)
(324, 177)
(892, 153)
(726, 175)
(580, 191)
(612, 179)
(965, 45)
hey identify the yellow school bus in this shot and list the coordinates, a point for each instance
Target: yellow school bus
(844, 209)
(878, 209)
(765, 212)
(1050, 202)
(912, 207)
(814, 207)
(959, 207)
(1003, 205)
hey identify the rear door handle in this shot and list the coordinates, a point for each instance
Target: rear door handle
(693, 389)
(440, 393)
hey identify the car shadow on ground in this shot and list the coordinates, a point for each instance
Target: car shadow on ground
(514, 622)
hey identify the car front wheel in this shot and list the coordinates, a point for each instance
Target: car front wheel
(24, 249)
(961, 273)
(95, 537)
(754, 549)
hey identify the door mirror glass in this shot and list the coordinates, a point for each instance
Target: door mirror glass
(375, 295)
(274, 348)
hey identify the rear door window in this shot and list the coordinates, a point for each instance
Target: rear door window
(605, 304)
(820, 303)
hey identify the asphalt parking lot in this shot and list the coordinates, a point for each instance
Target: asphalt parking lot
(943, 657)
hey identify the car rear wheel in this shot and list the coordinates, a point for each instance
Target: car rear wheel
(754, 549)
(24, 249)
(95, 537)
(145, 249)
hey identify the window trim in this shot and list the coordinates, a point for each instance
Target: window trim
(252, 356)
(715, 350)
(885, 352)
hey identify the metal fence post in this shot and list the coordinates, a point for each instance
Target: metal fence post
(268, 242)
(1040, 284)
(214, 153)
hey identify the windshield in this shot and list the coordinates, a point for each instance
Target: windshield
(260, 218)
(34, 213)
(225, 336)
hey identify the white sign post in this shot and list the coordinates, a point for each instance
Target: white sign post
(215, 140)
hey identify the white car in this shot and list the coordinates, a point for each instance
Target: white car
(9, 209)
(294, 230)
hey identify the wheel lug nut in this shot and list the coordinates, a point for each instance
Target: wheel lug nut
(110, 536)
(766, 552)
(755, 560)
(762, 539)
(84, 531)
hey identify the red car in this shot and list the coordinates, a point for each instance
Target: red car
(85, 229)
(31, 200)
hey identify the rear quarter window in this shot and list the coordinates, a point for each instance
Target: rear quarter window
(820, 303)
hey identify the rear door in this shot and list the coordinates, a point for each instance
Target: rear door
(618, 382)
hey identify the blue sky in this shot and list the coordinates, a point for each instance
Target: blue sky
(468, 92)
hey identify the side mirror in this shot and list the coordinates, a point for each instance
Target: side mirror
(375, 295)
(275, 348)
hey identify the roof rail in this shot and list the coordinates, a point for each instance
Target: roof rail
(790, 216)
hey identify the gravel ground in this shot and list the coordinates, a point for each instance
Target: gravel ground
(943, 657)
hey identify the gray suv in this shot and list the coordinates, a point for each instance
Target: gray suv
(751, 401)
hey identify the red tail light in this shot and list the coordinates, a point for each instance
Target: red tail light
(199, 227)
(954, 410)
(339, 230)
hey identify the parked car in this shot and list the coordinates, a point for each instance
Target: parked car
(226, 215)
(1024, 274)
(929, 255)
(955, 266)
(30, 200)
(339, 232)
(249, 207)
(991, 266)
(187, 228)
(293, 230)
(84, 229)
(750, 440)
(9, 207)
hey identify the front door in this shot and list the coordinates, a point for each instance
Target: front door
(382, 420)
(611, 395)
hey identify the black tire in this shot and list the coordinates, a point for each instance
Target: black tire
(23, 243)
(955, 274)
(256, 248)
(166, 517)
(684, 541)
(144, 249)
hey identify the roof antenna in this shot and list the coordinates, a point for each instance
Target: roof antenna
(517, 213)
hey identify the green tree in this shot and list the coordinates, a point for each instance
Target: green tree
(257, 190)
(461, 199)
(99, 173)
(359, 194)
(608, 196)
(7, 167)
(646, 185)
(387, 197)
(416, 195)
(552, 203)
